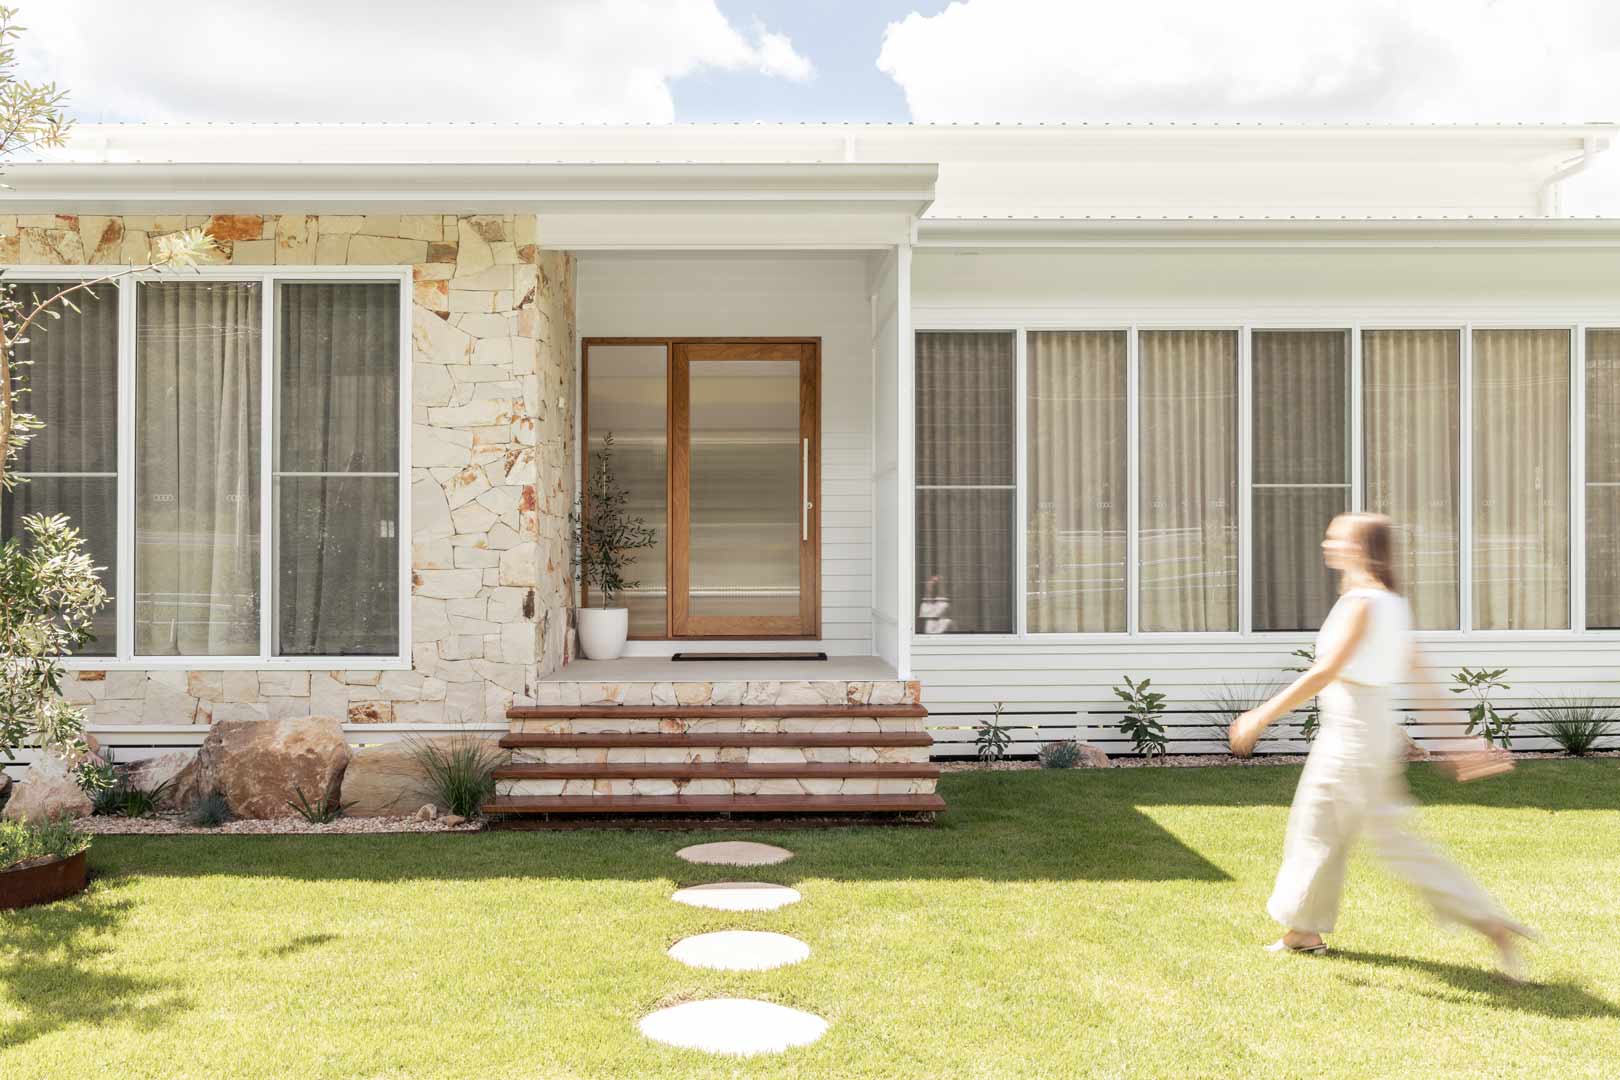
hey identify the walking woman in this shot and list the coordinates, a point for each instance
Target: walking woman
(1354, 778)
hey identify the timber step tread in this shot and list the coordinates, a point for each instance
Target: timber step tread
(718, 770)
(714, 712)
(712, 804)
(666, 740)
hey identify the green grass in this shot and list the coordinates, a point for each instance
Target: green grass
(1056, 924)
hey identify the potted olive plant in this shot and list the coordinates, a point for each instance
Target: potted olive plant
(604, 535)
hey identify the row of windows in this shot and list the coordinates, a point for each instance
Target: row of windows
(199, 562)
(1155, 460)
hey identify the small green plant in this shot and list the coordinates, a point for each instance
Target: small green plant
(1063, 754)
(1575, 724)
(28, 841)
(322, 811)
(604, 533)
(1232, 699)
(459, 770)
(122, 797)
(1143, 709)
(210, 811)
(1483, 716)
(991, 736)
(1311, 712)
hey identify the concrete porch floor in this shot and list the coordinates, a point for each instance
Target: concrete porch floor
(662, 669)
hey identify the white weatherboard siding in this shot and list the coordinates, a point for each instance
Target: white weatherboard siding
(786, 295)
(1343, 287)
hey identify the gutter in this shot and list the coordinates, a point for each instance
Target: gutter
(1552, 203)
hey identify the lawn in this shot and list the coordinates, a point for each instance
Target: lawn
(1082, 923)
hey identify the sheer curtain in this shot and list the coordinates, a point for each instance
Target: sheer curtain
(966, 481)
(337, 469)
(1188, 461)
(1603, 479)
(197, 468)
(1301, 384)
(1521, 479)
(1077, 481)
(1412, 432)
(71, 466)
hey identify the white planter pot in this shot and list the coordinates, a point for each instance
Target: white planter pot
(602, 631)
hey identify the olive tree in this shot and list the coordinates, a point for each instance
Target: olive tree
(50, 587)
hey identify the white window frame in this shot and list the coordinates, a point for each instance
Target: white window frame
(1259, 317)
(267, 277)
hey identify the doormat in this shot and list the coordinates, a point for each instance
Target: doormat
(733, 656)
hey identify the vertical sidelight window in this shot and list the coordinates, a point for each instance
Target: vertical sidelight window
(1078, 502)
(1412, 425)
(1521, 479)
(1603, 479)
(197, 447)
(1301, 470)
(70, 467)
(1188, 548)
(336, 473)
(966, 481)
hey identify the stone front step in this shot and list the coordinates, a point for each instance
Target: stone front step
(718, 758)
(599, 787)
(718, 804)
(717, 771)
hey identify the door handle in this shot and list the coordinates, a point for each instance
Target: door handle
(804, 513)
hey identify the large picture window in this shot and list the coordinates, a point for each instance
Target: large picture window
(71, 466)
(966, 482)
(265, 456)
(1170, 473)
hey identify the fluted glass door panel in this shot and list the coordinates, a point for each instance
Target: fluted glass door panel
(743, 517)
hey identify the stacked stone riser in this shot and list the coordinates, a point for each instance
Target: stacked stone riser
(801, 786)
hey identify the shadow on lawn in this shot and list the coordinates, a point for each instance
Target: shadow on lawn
(1557, 1000)
(51, 969)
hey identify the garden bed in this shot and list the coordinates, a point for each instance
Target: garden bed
(41, 880)
(175, 824)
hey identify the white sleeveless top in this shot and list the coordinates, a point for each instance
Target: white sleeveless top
(1385, 651)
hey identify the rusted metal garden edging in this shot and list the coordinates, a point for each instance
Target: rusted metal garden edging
(43, 882)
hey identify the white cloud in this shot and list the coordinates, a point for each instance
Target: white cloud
(423, 60)
(1332, 60)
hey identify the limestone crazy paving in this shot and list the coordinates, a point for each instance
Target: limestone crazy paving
(491, 465)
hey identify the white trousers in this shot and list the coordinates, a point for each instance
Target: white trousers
(1354, 782)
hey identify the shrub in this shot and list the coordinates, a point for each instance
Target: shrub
(1311, 713)
(210, 811)
(460, 771)
(1141, 721)
(1231, 700)
(1483, 717)
(1064, 754)
(323, 811)
(1575, 724)
(25, 841)
(991, 737)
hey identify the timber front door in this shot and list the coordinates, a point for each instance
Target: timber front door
(718, 444)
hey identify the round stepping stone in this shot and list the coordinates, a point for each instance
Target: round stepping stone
(737, 896)
(739, 950)
(733, 1026)
(735, 853)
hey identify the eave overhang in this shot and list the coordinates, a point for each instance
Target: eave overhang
(1137, 233)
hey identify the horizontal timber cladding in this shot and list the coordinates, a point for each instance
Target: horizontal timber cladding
(1052, 690)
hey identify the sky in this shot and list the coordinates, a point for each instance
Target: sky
(659, 61)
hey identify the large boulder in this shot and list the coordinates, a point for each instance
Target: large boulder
(49, 789)
(259, 766)
(5, 787)
(172, 768)
(385, 780)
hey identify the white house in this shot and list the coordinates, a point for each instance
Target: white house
(1008, 412)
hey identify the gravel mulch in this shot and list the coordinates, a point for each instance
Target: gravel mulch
(174, 824)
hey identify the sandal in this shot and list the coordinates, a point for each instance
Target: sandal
(1281, 946)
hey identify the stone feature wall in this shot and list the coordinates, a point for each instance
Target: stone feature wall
(491, 470)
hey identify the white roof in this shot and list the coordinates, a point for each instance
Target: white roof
(1015, 171)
